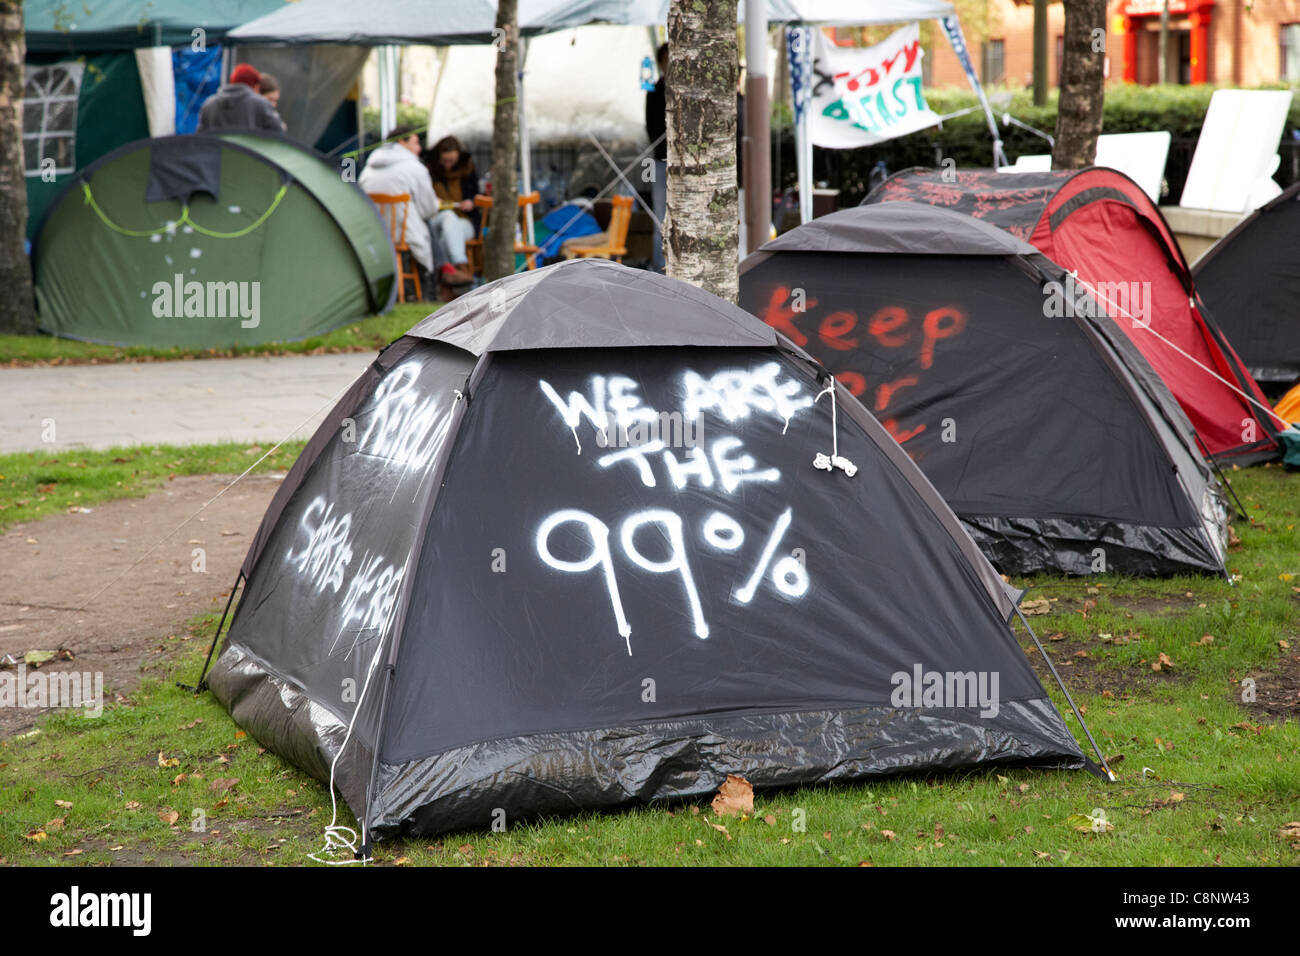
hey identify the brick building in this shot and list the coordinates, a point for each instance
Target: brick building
(1228, 43)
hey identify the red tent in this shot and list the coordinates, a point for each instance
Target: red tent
(1099, 224)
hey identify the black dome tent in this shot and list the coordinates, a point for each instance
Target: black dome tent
(1035, 417)
(578, 540)
(1250, 279)
(1099, 225)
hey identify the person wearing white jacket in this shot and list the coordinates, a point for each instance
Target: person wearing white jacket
(395, 168)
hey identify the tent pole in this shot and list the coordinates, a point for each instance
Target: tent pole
(525, 145)
(1241, 511)
(952, 27)
(758, 132)
(201, 685)
(798, 49)
(1060, 683)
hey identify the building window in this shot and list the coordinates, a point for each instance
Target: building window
(1290, 34)
(994, 62)
(50, 117)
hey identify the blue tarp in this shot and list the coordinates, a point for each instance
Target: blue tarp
(198, 74)
(566, 222)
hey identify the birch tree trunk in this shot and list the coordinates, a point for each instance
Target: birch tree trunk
(1078, 117)
(17, 310)
(702, 225)
(499, 246)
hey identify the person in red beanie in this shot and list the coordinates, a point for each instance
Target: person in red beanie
(237, 105)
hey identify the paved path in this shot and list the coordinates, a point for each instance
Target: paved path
(182, 403)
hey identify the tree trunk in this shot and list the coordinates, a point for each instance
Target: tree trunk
(1078, 116)
(17, 311)
(499, 246)
(702, 225)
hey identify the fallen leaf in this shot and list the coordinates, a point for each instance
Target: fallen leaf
(37, 658)
(133, 805)
(63, 804)
(168, 817)
(770, 820)
(37, 836)
(222, 784)
(1040, 606)
(1175, 796)
(176, 780)
(74, 853)
(1087, 824)
(1205, 640)
(719, 827)
(56, 823)
(735, 796)
(168, 761)
(887, 834)
(1161, 662)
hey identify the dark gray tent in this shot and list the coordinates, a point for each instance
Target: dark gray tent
(1250, 279)
(1030, 410)
(587, 537)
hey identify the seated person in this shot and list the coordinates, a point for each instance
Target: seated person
(456, 183)
(395, 168)
(571, 220)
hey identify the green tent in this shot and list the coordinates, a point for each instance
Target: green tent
(82, 93)
(210, 241)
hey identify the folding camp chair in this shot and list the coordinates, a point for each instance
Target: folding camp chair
(388, 204)
(474, 247)
(610, 244)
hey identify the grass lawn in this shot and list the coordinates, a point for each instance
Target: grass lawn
(166, 777)
(34, 484)
(364, 335)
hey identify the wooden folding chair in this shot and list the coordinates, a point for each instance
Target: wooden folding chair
(474, 247)
(610, 244)
(389, 204)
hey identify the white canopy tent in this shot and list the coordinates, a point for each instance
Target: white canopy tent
(396, 22)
